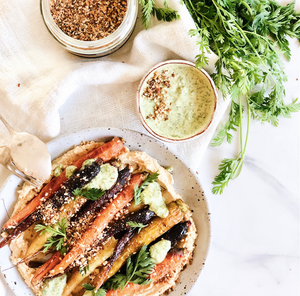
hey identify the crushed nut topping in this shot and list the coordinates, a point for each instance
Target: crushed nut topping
(88, 20)
(156, 91)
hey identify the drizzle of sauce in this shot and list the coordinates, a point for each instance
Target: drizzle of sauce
(190, 98)
(31, 155)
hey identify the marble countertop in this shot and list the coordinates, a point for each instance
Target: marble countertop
(255, 223)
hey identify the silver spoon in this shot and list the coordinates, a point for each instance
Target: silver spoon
(29, 154)
(6, 161)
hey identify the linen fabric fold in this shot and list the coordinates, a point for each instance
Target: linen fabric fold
(47, 91)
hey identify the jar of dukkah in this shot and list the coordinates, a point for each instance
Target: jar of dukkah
(90, 28)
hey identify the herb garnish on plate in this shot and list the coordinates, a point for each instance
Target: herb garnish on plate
(138, 269)
(55, 242)
(138, 190)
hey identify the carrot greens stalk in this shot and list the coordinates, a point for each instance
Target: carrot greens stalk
(249, 38)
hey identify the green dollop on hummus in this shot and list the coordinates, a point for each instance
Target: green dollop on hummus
(159, 251)
(152, 196)
(55, 286)
(106, 178)
(70, 171)
(88, 162)
(58, 170)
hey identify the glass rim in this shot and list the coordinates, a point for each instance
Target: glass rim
(105, 43)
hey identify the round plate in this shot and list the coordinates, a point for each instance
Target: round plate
(185, 183)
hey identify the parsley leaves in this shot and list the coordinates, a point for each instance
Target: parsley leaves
(134, 225)
(138, 269)
(249, 38)
(92, 193)
(138, 190)
(89, 287)
(56, 241)
(165, 13)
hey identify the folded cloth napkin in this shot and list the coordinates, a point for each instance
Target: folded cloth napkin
(47, 91)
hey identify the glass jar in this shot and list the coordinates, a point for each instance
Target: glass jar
(97, 48)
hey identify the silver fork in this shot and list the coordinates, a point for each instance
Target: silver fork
(6, 161)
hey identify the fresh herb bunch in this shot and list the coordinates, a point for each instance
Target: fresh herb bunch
(137, 225)
(55, 242)
(138, 190)
(92, 193)
(249, 37)
(138, 269)
(89, 287)
(165, 13)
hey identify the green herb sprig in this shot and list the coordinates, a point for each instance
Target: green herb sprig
(55, 242)
(138, 269)
(91, 194)
(138, 190)
(249, 37)
(83, 270)
(165, 13)
(137, 225)
(89, 287)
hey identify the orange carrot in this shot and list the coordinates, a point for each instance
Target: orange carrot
(100, 223)
(105, 152)
(45, 268)
(173, 260)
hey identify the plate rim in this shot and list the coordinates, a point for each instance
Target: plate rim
(161, 144)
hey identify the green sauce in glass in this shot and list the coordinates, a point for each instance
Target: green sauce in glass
(190, 97)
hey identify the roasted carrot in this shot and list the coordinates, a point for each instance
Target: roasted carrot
(155, 229)
(97, 260)
(173, 261)
(105, 152)
(99, 224)
(100, 278)
(78, 180)
(45, 268)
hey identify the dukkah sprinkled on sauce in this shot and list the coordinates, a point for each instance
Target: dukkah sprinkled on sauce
(177, 101)
(88, 20)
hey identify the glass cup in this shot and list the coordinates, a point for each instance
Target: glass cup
(97, 48)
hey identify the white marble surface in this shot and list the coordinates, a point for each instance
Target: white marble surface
(255, 223)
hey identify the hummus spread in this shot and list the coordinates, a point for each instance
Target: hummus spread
(139, 162)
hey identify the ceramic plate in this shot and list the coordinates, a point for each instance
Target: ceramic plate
(185, 183)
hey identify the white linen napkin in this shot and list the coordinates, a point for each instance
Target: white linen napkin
(37, 77)
(46, 91)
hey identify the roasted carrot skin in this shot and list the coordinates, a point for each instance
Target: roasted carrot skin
(45, 269)
(175, 234)
(105, 152)
(19, 229)
(92, 206)
(100, 278)
(144, 216)
(78, 180)
(100, 223)
(173, 260)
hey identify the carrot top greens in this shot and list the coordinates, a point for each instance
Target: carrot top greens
(250, 37)
(55, 242)
(138, 269)
(89, 287)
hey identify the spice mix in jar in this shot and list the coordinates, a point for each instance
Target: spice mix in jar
(90, 28)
